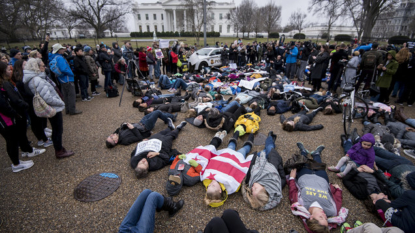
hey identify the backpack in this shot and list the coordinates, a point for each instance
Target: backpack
(112, 92)
(53, 65)
(174, 57)
(370, 60)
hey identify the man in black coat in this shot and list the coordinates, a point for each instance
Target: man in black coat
(154, 153)
(81, 69)
(337, 68)
(106, 64)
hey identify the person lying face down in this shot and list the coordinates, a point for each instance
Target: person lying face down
(154, 153)
(129, 133)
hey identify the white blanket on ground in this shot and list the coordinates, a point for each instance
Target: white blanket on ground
(250, 84)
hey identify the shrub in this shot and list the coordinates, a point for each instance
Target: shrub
(343, 37)
(274, 35)
(325, 35)
(172, 34)
(398, 39)
(299, 36)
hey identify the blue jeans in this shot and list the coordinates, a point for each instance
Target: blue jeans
(149, 120)
(244, 150)
(121, 79)
(107, 82)
(164, 82)
(399, 86)
(157, 71)
(319, 98)
(180, 83)
(410, 122)
(141, 216)
(269, 145)
(150, 72)
(387, 160)
(230, 105)
(305, 170)
(83, 82)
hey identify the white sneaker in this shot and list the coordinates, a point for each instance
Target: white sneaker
(34, 153)
(22, 166)
(40, 143)
(48, 130)
(48, 133)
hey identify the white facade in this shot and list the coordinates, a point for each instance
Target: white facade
(63, 33)
(170, 15)
(317, 31)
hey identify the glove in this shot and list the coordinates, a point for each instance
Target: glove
(193, 163)
(182, 156)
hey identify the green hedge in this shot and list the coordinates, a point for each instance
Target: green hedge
(343, 37)
(299, 36)
(325, 35)
(274, 35)
(172, 34)
(398, 39)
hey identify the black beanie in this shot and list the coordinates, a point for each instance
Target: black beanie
(13, 52)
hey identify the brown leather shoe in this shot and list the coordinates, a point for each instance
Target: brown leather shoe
(63, 153)
(75, 113)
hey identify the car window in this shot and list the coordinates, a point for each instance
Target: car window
(204, 52)
(215, 52)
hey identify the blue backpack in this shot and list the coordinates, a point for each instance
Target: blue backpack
(53, 65)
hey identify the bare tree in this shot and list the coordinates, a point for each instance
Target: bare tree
(69, 22)
(245, 16)
(271, 15)
(233, 19)
(10, 18)
(194, 16)
(258, 20)
(297, 19)
(353, 9)
(99, 13)
(117, 25)
(332, 9)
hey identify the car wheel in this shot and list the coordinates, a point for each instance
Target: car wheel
(202, 64)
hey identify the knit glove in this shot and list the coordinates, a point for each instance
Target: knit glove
(193, 163)
(182, 156)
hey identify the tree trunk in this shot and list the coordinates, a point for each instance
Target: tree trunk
(367, 28)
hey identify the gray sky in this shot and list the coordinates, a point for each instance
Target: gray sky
(288, 7)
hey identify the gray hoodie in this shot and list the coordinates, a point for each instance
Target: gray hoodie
(37, 82)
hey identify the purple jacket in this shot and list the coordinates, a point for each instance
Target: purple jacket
(360, 155)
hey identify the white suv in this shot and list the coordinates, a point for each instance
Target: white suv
(206, 57)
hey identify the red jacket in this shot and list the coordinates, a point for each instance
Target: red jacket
(117, 67)
(336, 193)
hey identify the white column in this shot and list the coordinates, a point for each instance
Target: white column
(185, 20)
(174, 20)
(165, 21)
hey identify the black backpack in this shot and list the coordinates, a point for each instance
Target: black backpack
(112, 92)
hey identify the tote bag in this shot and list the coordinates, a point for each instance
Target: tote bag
(42, 109)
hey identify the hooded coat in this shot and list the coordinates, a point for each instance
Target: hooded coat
(363, 156)
(117, 52)
(38, 82)
(269, 173)
(385, 78)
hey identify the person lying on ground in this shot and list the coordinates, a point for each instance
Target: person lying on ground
(155, 153)
(168, 107)
(145, 102)
(321, 201)
(179, 84)
(141, 216)
(263, 184)
(222, 178)
(359, 227)
(330, 106)
(400, 116)
(361, 153)
(300, 121)
(206, 97)
(278, 107)
(230, 222)
(399, 212)
(129, 133)
(248, 122)
(186, 168)
(215, 120)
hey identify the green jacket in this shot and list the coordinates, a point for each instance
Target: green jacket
(391, 68)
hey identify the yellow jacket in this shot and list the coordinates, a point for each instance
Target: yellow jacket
(251, 125)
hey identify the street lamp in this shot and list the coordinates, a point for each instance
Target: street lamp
(204, 23)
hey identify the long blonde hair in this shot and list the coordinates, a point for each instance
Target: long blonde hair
(258, 201)
(403, 55)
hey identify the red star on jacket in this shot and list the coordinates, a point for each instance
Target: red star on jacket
(211, 176)
(196, 159)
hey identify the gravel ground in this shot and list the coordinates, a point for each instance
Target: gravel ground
(41, 199)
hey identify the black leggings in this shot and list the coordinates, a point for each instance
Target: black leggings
(230, 222)
(384, 95)
(21, 127)
(56, 123)
(38, 125)
(316, 84)
(11, 135)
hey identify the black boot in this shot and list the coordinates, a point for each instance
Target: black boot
(250, 140)
(274, 137)
(355, 136)
(318, 150)
(234, 138)
(171, 206)
(365, 119)
(343, 139)
(375, 118)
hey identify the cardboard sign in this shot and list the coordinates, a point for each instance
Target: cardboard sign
(149, 145)
(164, 43)
(159, 53)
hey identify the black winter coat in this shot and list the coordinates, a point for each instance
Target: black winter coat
(16, 100)
(357, 185)
(6, 110)
(106, 61)
(129, 136)
(170, 107)
(320, 67)
(302, 124)
(80, 66)
(405, 218)
(159, 161)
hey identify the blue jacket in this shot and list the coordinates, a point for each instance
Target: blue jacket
(365, 47)
(12, 61)
(291, 56)
(63, 65)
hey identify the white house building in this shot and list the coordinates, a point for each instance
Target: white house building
(170, 15)
(317, 31)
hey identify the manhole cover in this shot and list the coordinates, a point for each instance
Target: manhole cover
(97, 187)
(259, 139)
